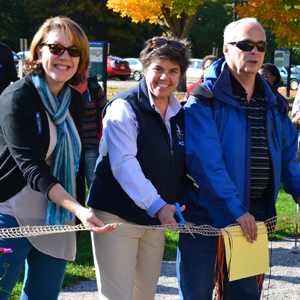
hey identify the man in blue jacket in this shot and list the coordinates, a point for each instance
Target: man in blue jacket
(240, 145)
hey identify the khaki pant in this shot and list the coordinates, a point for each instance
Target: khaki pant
(127, 260)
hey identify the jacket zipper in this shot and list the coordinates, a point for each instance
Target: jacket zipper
(273, 137)
(270, 153)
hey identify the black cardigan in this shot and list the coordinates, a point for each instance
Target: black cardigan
(23, 147)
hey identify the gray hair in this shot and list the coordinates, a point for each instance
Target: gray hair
(229, 29)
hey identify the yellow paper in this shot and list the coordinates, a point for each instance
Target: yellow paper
(246, 259)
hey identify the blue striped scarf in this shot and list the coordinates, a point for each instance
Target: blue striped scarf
(67, 151)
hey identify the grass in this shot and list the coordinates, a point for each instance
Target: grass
(83, 267)
(112, 91)
(170, 245)
(284, 204)
(290, 99)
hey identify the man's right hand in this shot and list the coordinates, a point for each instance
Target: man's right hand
(247, 222)
(296, 121)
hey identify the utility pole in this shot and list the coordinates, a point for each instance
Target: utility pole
(234, 13)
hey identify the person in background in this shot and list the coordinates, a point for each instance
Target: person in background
(206, 62)
(8, 72)
(252, 143)
(95, 101)
(271, 73)
(296, 118)
(42, 160)
(138, 173)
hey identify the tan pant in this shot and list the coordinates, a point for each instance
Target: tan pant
(127, 260)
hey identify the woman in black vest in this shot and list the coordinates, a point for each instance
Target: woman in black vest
(138, 173)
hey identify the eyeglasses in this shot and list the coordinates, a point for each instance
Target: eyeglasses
(59, 50)
(173, 44)
(249, 46)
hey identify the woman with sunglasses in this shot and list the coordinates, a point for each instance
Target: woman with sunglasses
(42, 160)
(138, 174)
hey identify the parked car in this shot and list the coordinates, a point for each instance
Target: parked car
(295, 76)
(136, 68)
(118, 67)
(16, 59)
(24, 54)
(194, 70)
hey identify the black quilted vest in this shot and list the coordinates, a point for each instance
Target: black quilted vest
(162, 165)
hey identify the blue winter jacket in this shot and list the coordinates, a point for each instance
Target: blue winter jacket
(218, 152)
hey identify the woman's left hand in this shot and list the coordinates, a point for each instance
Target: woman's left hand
(61, 197)
(166, 216)
(88, 218)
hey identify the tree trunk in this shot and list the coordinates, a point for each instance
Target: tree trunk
(174, 26)
(182, 84)
(178, 28)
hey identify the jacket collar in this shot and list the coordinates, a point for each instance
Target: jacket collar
(218, 80)
(238, 89)
(143, 96)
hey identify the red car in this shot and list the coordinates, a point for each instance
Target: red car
(118, 67)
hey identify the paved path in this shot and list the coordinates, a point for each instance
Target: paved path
(283, 285)
(87, 290)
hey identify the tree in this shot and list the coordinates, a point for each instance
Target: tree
(175, 17)
(102, 24)
(12, 25)
(207, 30)
(282, 17)
(22, 18)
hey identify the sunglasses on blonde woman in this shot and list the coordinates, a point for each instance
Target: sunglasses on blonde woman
(173, 44)
(57, 49)
(249, 46)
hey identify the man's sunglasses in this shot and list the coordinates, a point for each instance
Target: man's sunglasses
(249, 46)
(59, 50)
(173, 44)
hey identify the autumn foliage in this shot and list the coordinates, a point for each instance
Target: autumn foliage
(175, 17)
(282, 17)
(152, 10)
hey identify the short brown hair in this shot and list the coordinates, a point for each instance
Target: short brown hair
(73, 31)
(151, 53)
(208, 57)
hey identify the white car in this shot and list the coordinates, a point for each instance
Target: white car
(136, 68)
(194, 70)
(24, 54)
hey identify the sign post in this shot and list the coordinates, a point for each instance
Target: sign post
(98, 57)
(282, 58)
(23, 48)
